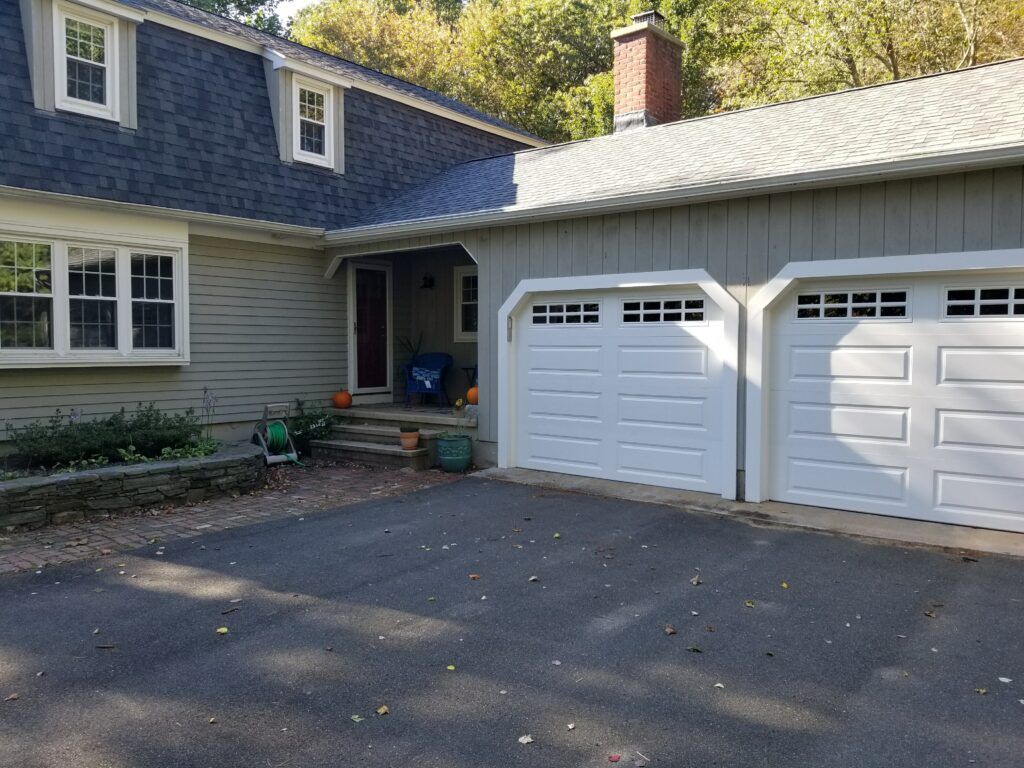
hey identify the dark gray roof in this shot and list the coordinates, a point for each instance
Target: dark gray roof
(889, 125)
(318, 59)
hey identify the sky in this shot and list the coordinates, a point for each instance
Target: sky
(287, 8)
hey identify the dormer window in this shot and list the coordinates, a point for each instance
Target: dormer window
(312, 120)
(85, 70)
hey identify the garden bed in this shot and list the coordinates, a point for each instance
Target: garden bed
(29, 502)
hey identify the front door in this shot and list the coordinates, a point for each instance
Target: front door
(371, 328)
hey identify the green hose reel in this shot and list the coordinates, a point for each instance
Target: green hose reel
(271, 433)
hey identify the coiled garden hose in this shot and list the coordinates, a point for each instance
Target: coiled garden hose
(277, 439)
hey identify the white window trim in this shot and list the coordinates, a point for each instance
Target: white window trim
(457, 275)
(325, 160)
(978, 302)
(62, 354)
(683, 297)
(907, 317)
(112, 109)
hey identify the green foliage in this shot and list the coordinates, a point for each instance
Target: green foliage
(545, 65)
(308, 424)
(255, 13)
(66, 442)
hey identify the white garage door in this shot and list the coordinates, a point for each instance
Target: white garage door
(901, 397)
(624, 385)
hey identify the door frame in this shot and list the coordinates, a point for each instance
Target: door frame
(758, 406)
(370, 394)
(700, 278)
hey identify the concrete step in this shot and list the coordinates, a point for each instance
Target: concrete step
(384, 434)
(367, 414)
(376, 454)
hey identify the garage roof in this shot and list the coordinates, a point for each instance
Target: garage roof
(940, 122)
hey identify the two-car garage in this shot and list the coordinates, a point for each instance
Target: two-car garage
(891, 390)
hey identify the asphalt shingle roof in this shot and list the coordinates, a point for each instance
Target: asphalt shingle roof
(928, 117)
(316, 58)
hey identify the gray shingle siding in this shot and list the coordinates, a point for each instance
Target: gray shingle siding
(206, 140)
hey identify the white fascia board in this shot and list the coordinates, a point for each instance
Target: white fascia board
(197, 217)
(683, 195)
(423, 105)
(117, 10)
(279, 60)
(670, 278)
(758, 328)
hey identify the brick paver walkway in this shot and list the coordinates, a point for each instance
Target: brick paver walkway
(290, 491)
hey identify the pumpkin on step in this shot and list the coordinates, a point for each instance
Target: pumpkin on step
(473, 396)
(342, 399)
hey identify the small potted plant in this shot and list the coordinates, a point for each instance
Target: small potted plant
(409, 434)
(455, 449)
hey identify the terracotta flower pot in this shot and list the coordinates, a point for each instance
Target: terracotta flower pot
(410, 440)
(342, 399)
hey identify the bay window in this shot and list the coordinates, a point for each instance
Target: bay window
(65, 302)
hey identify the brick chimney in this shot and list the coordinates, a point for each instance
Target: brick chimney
(647, 73)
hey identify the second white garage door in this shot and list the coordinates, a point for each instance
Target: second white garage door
(902, 396)
(623, 385)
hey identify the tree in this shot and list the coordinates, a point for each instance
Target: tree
(256, 13)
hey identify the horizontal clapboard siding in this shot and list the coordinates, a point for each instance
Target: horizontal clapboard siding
(266, 326)
(742, 242)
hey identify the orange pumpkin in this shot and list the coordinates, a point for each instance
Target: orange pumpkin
(473, 396)
(342, 399)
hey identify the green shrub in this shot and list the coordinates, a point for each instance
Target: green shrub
(69, 442)
(308, 424)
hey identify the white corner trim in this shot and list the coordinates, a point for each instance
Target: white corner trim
(671, 278)
(758, 328)
(279, 60)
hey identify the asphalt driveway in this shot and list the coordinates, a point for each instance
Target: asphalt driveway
(795, 649)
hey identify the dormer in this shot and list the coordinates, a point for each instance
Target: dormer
(82, 57)
(308, 106)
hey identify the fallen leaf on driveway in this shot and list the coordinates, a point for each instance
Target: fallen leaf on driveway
(696, 580)
(229, 610)
(981, 691)
(213, 721)
(474, 577)
(719, 685)
(711, 627)
(930, 614)
(571, 727)
(383, 710)
(748, 603)
(527, 739)
(694, 649)
(1005, 680)
(357, 718)
(614, 758)
(106, 646)
(670, 630)
(222, 630)
(450, 667)
(12, 697)
(534, 578)
(557, 536)
(784, 585)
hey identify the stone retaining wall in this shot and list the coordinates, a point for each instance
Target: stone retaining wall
(29, 502)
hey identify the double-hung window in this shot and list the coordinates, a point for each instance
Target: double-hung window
(90, 303)
(86, 61)
(313, 123)
(466, 303)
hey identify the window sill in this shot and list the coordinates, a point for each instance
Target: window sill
(72, 361)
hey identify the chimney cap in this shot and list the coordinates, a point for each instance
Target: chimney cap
(650, 16)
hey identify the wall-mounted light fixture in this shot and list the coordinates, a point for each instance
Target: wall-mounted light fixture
(428, 280)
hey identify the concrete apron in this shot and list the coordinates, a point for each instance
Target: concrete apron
(889, 530)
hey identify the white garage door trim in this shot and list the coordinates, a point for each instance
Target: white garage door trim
(758, 454)
(668, 279)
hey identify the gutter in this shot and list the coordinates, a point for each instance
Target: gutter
(841, 175)
(195, 217)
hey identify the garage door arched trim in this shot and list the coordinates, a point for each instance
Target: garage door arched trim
(672, 279)
(758, 452)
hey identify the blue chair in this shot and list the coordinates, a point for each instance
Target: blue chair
(425, 376)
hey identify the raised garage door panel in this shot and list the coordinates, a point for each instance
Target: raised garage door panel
(635, 400)
(920, 415)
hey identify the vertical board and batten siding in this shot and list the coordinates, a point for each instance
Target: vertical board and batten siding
(266, 326)
(742, 242)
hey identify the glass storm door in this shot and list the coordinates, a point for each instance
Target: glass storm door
(372, 334)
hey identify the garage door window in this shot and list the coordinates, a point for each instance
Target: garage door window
(1002, 301)
(663, 311)
(851, 305)
(566, 314)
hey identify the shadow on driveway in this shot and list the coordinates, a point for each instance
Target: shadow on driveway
(871, 656)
